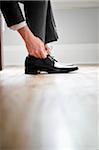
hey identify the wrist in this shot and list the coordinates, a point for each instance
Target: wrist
(26, 33)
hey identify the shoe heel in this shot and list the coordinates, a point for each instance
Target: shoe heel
(31, 71)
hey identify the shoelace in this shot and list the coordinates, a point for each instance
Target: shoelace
(52, 58)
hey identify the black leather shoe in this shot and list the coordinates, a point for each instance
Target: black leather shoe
(35, 65)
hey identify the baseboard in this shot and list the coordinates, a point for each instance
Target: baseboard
(67, 53)
(78, 53)
(14, 55)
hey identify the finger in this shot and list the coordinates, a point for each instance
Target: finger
(48, 49)
(33, 54)
(43, 53)
(38, 54)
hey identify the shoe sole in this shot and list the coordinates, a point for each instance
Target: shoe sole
(36, 71)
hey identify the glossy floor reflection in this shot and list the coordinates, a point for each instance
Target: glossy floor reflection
(48, 112)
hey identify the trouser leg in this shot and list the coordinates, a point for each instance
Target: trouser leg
(40, 20)
(51, 32)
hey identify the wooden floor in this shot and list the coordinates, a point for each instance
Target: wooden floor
(49, 112)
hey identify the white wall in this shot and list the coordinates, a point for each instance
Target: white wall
(78, 31)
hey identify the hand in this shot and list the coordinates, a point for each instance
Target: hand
(34, 45)
(49, 50)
